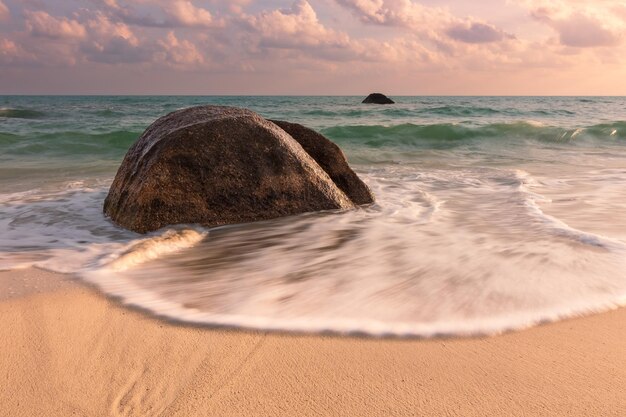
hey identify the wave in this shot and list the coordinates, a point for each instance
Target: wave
(450, 133)
(382, 270)
(145, 250)
(557, 226)
(444, 110)
(109, 113)
(67, 143)
(552, 112)
(333, 113)
(462, 111)
(435, 136)
(449, 110)
(9, 113)
(326, 280)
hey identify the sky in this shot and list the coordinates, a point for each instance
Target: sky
(313, 47)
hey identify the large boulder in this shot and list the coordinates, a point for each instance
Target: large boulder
(216, 165)
(332, 160)
(378, 98)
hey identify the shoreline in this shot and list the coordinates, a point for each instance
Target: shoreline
(69, 350)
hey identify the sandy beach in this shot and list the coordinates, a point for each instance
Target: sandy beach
(67, 350)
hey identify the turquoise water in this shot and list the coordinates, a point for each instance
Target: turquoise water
(492, 213)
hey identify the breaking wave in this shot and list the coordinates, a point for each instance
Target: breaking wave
(450, 253)
(449, 134)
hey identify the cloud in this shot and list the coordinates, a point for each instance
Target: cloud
(582, 24)
(103, 36)
(112, 42)
(12, 53)
(297, 27)
(4, 12)
(583, 31)
(8, 48)
(297, 37)
(184, 13)
(40, 23)
(429, 23)
(101, 27)
(126, 14)
(579, 30)
(236, 6)
(116, 33)
(172, 14)
(115, 51)
(620, 11)
(178, 53)
(395, 12)
(476, 32)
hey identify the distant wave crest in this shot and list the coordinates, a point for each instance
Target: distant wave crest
(20, 113)
(67, 143)
(448, 134)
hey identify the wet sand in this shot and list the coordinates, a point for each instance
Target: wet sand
(68, 350)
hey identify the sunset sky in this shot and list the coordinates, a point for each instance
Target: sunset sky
(335, 47)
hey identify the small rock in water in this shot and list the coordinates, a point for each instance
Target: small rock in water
(215, 165)
(378, 98)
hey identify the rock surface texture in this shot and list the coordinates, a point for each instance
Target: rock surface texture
(216, 165)
(332, 160)
(378, 98)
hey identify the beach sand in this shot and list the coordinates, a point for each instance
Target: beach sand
(66, 350)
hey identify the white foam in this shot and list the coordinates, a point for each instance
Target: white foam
(535, 123)
(144, 250)
(401, 268)
(20, 196)
(461, 251)
(136, 296)
(558, 226)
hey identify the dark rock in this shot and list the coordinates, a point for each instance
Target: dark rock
(216, 165)
(332, 160)
(378, 98)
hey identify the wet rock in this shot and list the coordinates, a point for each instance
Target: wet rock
(332, 160)
(378, 98)
(215, 165)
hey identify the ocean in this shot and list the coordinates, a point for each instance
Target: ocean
(491, 214)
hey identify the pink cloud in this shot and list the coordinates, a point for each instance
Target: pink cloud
(112, 42)
(184, 13)
(4, 12)
(12, 53)
(40, 23)
(178, 53)
(8, 48)
(171, 13)
(582, 24)
(430, 23)
(296, 34)
(101, 27)
(583, 31)
(620, 10)
(236, 6)
(579, 30)
(294, 27)
(476, 32)
(396, 12)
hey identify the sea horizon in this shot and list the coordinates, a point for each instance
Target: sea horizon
(363, 95)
